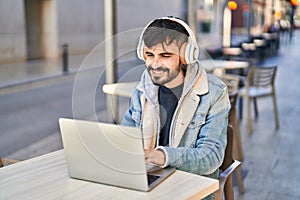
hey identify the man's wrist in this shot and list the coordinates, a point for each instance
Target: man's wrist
(162, 149)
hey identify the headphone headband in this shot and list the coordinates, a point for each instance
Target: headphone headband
(191, 51)
(185, 25)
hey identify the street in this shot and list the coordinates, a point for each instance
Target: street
(30, 112)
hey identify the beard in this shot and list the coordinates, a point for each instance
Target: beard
(162, 75)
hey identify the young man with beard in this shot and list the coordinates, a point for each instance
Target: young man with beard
(181, 109)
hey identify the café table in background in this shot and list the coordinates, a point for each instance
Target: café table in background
(218, 67)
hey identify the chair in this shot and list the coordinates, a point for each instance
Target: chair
(227, 168)
(232, 82)
(259, 83)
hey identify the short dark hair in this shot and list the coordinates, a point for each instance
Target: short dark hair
(162, 31)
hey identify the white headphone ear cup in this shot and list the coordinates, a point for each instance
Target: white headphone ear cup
(187, 53)
(191, 53)
(139, 50)
(196, 53)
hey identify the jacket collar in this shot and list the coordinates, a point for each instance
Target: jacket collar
(196, 78)
(149, 90)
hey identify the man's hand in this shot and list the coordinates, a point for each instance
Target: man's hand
(157, 157)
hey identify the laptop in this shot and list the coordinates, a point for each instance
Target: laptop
(109, 154)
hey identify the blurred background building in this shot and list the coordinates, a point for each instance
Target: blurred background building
(37, 29)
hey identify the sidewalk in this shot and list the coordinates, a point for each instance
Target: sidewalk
(272, 157)
(33, 70)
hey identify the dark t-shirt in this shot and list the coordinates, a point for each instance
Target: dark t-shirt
(168, 100)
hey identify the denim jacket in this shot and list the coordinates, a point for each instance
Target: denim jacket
(198, 129)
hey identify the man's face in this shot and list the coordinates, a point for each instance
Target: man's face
(163, 64)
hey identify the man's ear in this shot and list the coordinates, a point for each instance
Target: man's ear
(182, 53)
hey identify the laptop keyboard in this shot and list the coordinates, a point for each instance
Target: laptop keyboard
(152, 178)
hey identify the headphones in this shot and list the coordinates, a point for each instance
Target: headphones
(191, 50)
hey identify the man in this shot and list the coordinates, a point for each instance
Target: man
(181, 109)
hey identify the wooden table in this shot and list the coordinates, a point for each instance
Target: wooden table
(46, 177)
(210, 65)
(120, 89)
(232, 51)
(219, 66)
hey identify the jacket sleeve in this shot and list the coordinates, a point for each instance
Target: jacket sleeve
(206, 156)
(133, 115)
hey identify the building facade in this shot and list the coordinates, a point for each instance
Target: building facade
(37, 29)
